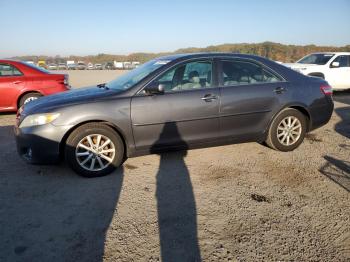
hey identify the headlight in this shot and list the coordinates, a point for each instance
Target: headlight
(38, 119)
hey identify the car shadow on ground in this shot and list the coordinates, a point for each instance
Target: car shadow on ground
(342, 96)
(343, 127)
(48, 213)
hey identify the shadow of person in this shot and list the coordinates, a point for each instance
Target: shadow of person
(177, 216)
(48, 213)
(338, 171)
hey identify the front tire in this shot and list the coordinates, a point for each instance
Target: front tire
(94, 150)
(287, 130)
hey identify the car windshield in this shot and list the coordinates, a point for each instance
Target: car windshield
(37, 67)
(131, 78)
(317, 59)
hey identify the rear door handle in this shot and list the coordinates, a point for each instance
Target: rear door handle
(209, 97)
(17, 82)
(279, 90)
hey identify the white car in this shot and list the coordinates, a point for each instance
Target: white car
(334, 67)
(52, 66)
(98, 66)
(62, 66)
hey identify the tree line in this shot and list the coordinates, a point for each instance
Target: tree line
(274, 51)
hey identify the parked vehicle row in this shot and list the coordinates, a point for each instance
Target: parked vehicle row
(81, 65)
(174, 102)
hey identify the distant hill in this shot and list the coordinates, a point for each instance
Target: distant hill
(274, 51)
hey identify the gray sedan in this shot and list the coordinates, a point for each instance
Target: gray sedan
(172, 103)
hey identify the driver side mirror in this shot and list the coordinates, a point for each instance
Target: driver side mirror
(154, 89)
(335, 64)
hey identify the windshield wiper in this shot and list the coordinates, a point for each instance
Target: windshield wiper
(103, 85)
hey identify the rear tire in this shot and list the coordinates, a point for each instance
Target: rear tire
(287, 130)
(28, 98)
(94, 150)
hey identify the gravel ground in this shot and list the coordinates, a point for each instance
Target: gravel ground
(231, 203)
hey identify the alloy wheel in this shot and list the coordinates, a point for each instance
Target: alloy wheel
(289, 130)
(29, 99)
(95, 152)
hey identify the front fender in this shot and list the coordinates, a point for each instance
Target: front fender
(112, 112)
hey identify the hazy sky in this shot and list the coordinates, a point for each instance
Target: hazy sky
(84, 27)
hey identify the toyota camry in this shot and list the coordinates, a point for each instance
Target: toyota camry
(170, 103)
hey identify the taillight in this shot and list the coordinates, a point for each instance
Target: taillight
(327, 90)
(66, 82)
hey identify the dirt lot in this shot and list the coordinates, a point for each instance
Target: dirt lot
(232, 203)
(91, 77)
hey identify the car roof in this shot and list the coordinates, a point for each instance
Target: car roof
(206, 54)
(10, 61)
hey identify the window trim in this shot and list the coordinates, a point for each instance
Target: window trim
(13, 67)
(233, 59)
(214, 75)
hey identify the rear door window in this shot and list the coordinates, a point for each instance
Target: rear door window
(9, 70)
(241, 72)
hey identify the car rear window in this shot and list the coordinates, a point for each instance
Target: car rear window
(37, 68)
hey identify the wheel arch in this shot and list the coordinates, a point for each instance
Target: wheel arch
(317, 74)
(113, 126)
(25, 93)
(300, 107)
(305, 112)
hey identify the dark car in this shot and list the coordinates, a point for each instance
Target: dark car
(21, 83)
(174, 102)
(109, 66)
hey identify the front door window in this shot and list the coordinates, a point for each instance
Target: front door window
(193, 75)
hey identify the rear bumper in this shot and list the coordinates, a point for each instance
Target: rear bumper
(321, 113)
(40, 144)
(54, 90)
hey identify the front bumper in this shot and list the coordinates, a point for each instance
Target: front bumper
(40, 144)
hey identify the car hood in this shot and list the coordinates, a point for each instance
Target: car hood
(70, 97)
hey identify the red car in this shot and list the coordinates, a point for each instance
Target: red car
(21, 83)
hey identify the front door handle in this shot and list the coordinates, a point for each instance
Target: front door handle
(280, 90)
(209, 97)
